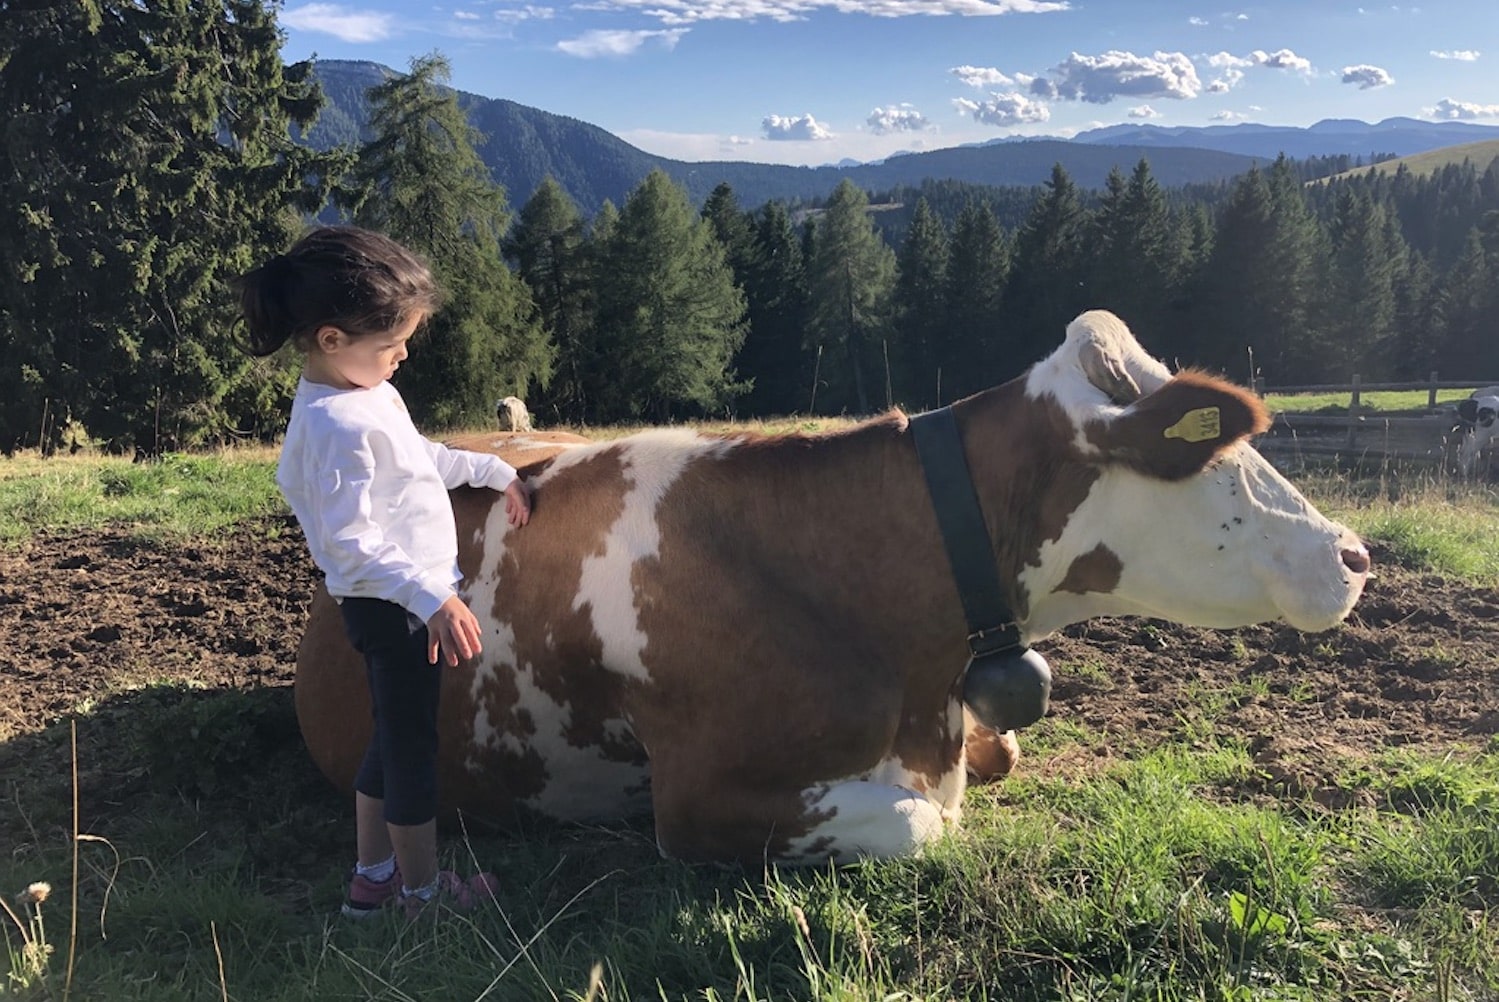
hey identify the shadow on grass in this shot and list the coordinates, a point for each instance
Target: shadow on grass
(215, 831)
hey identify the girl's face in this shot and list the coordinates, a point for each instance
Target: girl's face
(349, 363)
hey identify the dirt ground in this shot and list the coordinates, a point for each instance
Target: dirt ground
(91, 615)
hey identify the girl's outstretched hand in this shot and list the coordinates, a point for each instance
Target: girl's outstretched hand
(517, 503)
(454, 629)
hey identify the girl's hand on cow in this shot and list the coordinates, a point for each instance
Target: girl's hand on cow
(517, 503)
(454, 630)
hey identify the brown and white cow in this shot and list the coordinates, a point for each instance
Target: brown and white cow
(759, 638)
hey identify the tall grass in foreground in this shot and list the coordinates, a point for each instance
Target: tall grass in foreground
(1168, 877)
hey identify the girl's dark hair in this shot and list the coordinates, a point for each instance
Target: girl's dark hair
(354, 279)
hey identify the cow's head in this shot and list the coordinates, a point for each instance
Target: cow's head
(1162, 508)
(1480, 413)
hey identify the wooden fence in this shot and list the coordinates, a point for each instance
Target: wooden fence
(1422, 435)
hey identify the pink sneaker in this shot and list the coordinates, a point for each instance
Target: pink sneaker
(366, 897)
(454, 892)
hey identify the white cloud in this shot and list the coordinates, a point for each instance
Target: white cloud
(525, 12)
(787, 128)
(595, 44)
(1100, 79)
(1004, 109)
(343, 23)
(678, 12)
(1227, 82)
(1462, 55)
(1367, 77)
(981, 76)
(1281, 59)
(1449, 109)
(465, 15)
(1227, 60)
(1197, 22)
(1232, 67)
(902, 118)
(1144, 111)
(1226, 116)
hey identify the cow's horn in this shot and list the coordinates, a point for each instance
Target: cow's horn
(1105, 370)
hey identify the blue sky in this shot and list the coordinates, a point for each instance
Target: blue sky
(816, 81)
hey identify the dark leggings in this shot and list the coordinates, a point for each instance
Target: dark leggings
(400, 764)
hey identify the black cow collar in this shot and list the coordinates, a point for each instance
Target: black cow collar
(1006, 684)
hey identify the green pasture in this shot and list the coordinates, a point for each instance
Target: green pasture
(210, 869)
(1386, 401)
(1481, 154)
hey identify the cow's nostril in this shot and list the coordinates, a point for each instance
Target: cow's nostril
(1356, 559)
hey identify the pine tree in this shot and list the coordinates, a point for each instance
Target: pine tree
(1134, 262)
(850, 277)
(921, 307)
(420, 181)
(148, 160)
(1296, 261)
(547, 244)
(1044, 291)
(670, 318)
(732, 227)
(1465, 311)
(1417, 348)
(774, 357)
(977, 350)
(1359, 300)
(1258, 288)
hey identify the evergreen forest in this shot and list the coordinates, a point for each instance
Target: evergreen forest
(151, 155)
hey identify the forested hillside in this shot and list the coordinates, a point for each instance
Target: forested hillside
(138, 194)
(522, 146)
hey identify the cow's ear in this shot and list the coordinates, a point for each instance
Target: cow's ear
(1468, 410)
(1181, 427)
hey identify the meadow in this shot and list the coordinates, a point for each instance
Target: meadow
(1248, 814)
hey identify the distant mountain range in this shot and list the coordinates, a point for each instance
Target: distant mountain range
(523, 145)
(1329, 137)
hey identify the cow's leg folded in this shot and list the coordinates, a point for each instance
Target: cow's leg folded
(841, 821)
(866, 819)
(990, 755)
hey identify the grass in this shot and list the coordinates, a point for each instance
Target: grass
(1165, 877)
(1171, 875)
(1480, 154)
(1375, 400)
(1426, 520)
(177, 495)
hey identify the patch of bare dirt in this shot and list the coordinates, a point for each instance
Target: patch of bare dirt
(90, 615)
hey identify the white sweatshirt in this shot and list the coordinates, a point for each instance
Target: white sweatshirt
(371, 495)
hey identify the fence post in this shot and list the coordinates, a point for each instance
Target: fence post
(1431, 394)
(1353, 414)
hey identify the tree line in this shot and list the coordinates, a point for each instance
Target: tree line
(150, 156)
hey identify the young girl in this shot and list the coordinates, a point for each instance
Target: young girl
(371, 495)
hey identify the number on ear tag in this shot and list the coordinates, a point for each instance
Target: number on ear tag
(1196, 426)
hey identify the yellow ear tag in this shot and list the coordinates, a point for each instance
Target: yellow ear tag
(1196, 426)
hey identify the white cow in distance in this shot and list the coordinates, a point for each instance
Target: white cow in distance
(513, 415)
(1480, 417)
